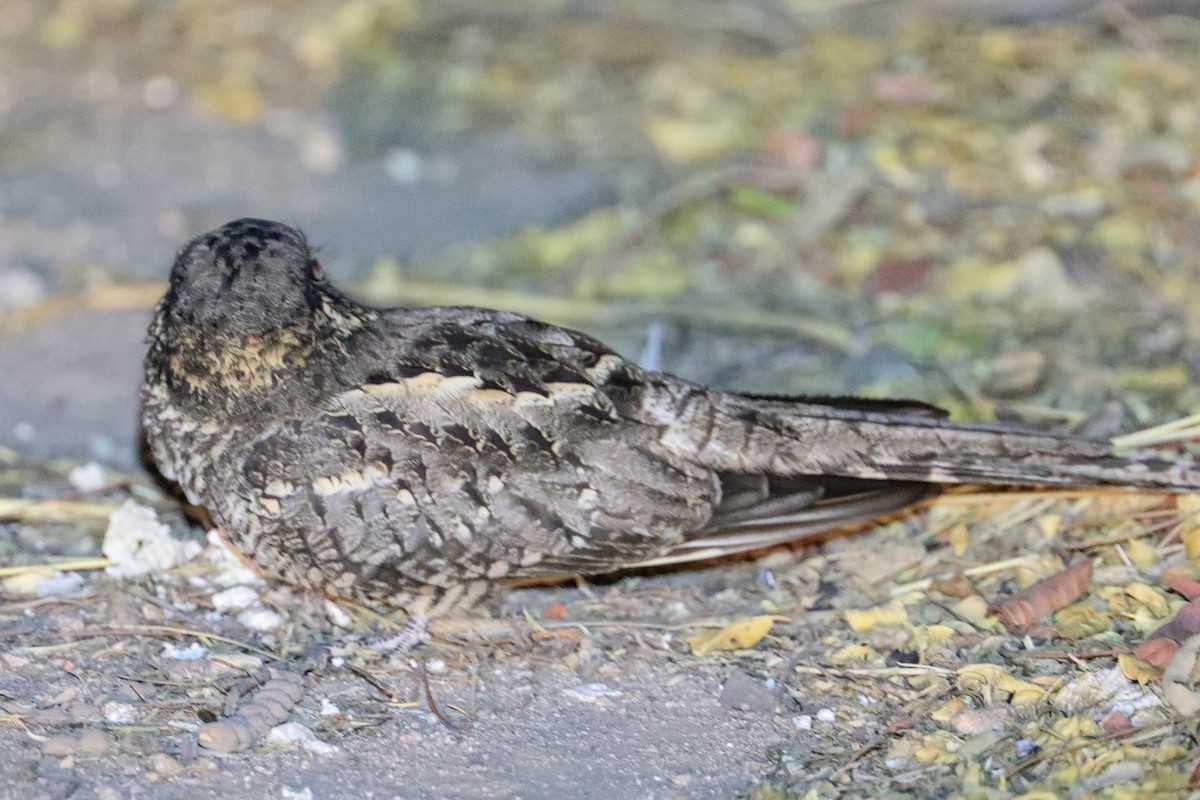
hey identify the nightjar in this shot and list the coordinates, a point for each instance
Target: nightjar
(414, 455)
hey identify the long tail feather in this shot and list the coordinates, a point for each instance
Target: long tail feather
(784, 437)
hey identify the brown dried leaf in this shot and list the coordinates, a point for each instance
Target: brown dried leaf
(1157, 651)
(1182, 583)
(1045, 597)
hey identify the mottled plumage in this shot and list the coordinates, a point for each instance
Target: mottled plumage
(382, 454)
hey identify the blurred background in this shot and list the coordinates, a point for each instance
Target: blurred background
(990, 205)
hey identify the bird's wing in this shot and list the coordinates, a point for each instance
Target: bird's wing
(421, 477)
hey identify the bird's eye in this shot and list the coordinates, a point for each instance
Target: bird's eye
(314, 269)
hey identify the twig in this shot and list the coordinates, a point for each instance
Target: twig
(373, 681)
(1180, 430)
(910, 671)
(73, 565)
(973, 572)
(424, 674)
(32, 512)
(165, 631)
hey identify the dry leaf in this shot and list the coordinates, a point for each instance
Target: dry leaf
(1181, 583)
(736, 636)
(1142, 554)
(974, 609)
(886, 616)
(1191, 541)
(1136, 669)
(984, 679)
(1078, 621)
(853, 652)
(1149, 597)
(1046, 596)
(1157, 651)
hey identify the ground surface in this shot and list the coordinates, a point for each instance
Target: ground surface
(781, 197)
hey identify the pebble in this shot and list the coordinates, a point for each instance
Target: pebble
(745, 693)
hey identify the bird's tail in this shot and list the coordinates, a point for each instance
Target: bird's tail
(738, 433)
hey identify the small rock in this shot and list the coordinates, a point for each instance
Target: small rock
(591, 693)
(119, 713)
(260, 618)
(236, 598)
(745, 693)
(1016, 373)
(160, 92)
(93, 742)
(60, 745)
(20, 288)
(165, 765)
(295, 733)
(87, 477)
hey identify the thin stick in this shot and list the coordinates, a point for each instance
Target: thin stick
(165, 631)
(973, 572)
(40, 511)
(74, 565)
(1175, 431)
(467, 723)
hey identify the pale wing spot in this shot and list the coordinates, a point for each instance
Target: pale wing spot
(462, 532)
(483, 512)
(427, 383)
(405, 497)
(588, 496)
(278, 488)
(604, 367)
(491, 396)
(494, 484)
(533, 399)
(530, 557)
(349, 481)
(270, 505)
(560, 390)
(498, 569)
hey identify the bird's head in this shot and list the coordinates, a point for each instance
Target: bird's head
(245, 278)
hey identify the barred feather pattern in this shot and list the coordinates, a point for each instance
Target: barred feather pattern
(398, 454)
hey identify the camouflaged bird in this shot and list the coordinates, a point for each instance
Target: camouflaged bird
(413, 455)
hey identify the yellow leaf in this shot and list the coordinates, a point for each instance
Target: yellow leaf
(1191, 541)
(735, 636)
(1141, 553)
(853, 652)
(984, 679)
(958, 539)
(1074, 727)
(1148, 597)
(947, 710)
(1136, 669)
(938, 634)
(1050, 526)
(687, 139)
(888, 616)
(1078, 621)
(1188, 504)
(974, 609)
